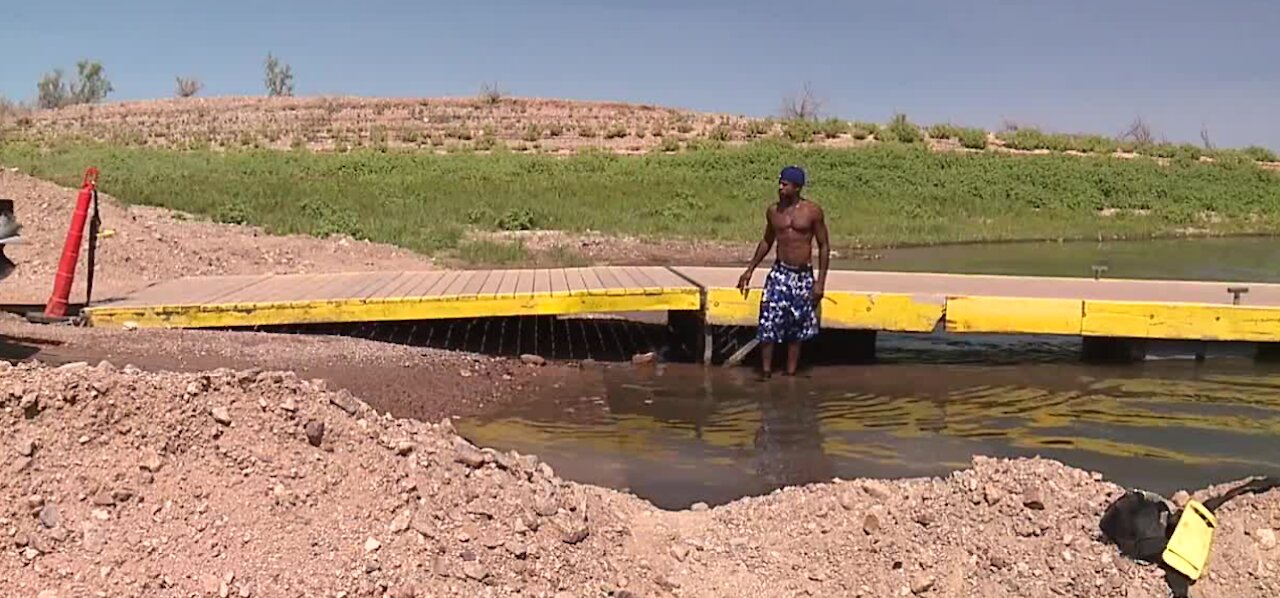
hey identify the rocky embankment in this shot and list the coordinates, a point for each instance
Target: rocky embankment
(125, 483)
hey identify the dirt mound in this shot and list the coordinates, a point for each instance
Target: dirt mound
(228, 483)
(151, 245)
(326, 123)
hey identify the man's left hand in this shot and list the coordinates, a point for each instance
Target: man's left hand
(818, 292)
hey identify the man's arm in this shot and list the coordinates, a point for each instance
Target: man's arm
(824, 253)
(762, 250)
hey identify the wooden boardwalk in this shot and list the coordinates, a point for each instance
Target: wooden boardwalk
(881, 301)
(236, 301)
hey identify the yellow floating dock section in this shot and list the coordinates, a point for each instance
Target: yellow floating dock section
(240, 301)
(858, 300)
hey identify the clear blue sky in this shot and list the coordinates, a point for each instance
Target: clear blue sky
(1077, 65)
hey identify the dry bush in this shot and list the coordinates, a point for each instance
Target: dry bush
(804, 106)
(187, 87)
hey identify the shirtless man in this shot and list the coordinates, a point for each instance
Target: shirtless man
(788, 310)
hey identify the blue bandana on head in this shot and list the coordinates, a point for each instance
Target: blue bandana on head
(793, 175)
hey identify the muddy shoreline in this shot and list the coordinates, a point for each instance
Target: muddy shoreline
(263, 483)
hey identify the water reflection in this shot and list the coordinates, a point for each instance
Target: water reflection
(679, 435)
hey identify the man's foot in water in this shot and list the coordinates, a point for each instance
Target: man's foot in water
(764, 375)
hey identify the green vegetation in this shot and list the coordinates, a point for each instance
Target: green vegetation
(278, 77)
(944, 131)
(492, 253)
(902, 130)
(972, 138)
(90, 86)
(881, 194)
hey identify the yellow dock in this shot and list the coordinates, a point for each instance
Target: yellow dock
(925, 302)
(874, 301)
(238, 301)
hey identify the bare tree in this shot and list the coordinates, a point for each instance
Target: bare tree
(188, 86)
(805, 106)
(1204, 137)
(1139, 132)
(491, 93)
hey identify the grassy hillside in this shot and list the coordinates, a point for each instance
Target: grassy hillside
(885, 194)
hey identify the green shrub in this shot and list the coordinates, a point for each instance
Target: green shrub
(758, 128)
(799, 130)
(516, 219)
(719, 133)
(532, 133)
(495, 253)
(901, 130)
(862, 130)
(1093, 144)
(944, 131)
(972, 138)
(617, 131)
(1031, 138)
(235, 211)
(833, 128)
(669, 144)
(1260, 154)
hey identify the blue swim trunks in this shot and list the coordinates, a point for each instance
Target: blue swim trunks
(787, 312)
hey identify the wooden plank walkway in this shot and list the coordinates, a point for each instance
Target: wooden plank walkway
(238, 301)
(924, 302)
(885, 301)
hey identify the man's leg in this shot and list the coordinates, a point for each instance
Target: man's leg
(766, 359)
(793, 357)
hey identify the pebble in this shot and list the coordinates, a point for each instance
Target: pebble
(1033, 499)
(314, 431)
(289, 405)
(1266, 538)
(345, 402)
(519, 550)
(871, 524)
(221, 415)
(469, 455)
(401, 522)
(1181, 498)
(49, 516)
(545, 507)
(47, 594)
(992, 495)
(699, 507)
(26, 447)
(577, 535)
(150, 461)
(104, 499)
(644, 358)
(530, 359)
(922, 584)
(404, 447)
(875, 490)
(475, 571)
(372, 545)
(680, 552)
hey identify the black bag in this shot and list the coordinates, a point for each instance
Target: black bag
(1140, 524)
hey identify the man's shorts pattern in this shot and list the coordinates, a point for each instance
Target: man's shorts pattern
(787, 311)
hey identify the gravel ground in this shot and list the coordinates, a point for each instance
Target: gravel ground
(226, 483)
(152, 245)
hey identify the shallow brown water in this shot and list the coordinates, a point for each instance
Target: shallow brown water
(683, 434)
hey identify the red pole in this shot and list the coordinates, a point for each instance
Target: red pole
(57, 306)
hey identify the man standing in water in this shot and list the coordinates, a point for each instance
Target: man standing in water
(788, 310)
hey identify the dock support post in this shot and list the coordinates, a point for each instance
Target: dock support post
(1113, 350)
(689, 331)
(1267, 352)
